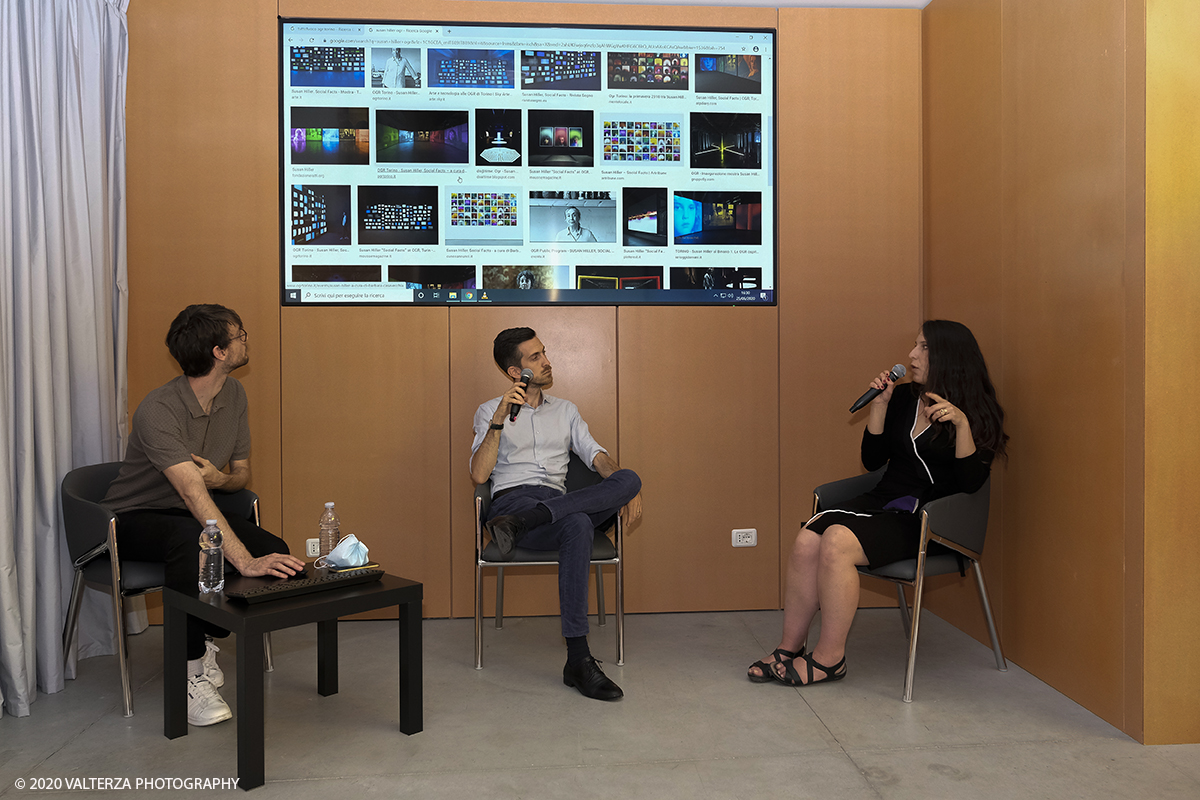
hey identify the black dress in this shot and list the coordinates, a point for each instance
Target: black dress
(885, 520)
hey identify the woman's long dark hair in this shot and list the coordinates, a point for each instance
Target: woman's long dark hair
(958, 373)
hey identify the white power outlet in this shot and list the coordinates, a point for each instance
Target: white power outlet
(312, 547)
(745, 537)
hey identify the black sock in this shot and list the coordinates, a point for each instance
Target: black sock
(577, 649)
(534, 517)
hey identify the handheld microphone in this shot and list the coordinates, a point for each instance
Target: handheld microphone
(896, 374)
(526, 377)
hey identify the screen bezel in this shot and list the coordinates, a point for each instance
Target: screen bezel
(549, 297)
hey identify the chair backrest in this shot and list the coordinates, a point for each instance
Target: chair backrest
(961, 518)
(829, 495)
(580, 475)
(84, 520)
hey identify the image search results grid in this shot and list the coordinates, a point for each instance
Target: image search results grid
(526, 164)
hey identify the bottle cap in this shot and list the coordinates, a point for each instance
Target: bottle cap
(211, 522)
(329, 505)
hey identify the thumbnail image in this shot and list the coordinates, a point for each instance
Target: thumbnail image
(322, 135)
(320, 214)
(644, 217)
(483, 217)
(726, 141)
(589, 277)
(328, 66)
(397, 215)
(422, 137)
(577, 218)
(395, 68)
(655, 140)
(729, 73)
(335, 273)
(518, 277)
(432, 277)
(648, 71)
(718, 218)
(561, 70)
(471, 69)
(497, 137)
(560, 138)
(716, 278)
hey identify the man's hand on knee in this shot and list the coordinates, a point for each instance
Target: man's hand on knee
(632, 511)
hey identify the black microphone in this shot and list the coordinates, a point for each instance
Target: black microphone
(526, 377)
(896, 374)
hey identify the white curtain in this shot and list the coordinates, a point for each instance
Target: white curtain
(62, 305)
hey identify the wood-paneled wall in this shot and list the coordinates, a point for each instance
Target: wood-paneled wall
(1172, 594)
(372, 407)
(1061, 224)
(971, 161)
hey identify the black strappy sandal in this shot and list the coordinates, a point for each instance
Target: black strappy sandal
(792, 678)
(780, 655)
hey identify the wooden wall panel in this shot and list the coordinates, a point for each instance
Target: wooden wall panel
(581, 344)
(204, 226)
(1033, 231)
(850, 203)
(365, 424)
(1064, 256)
(1172, 594)
(699, 417)
(963, 273)
(203, 198)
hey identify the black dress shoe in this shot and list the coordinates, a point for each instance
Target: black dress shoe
(590, 681)
(506, 530)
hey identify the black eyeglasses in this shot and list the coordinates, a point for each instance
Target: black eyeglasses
(241, 336)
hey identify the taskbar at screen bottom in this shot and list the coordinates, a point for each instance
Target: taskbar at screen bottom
(360, 295)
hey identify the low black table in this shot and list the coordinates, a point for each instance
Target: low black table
(250, 621)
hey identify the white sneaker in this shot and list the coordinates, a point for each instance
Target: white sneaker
(211, 670)
(205, 706)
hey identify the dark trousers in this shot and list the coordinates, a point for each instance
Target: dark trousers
(173, 536)
(574, 517)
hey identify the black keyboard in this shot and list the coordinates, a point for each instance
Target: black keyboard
(299, 586)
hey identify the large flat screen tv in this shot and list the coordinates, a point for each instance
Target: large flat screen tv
(454, 163)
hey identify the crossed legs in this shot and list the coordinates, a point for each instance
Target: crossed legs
(821, 575)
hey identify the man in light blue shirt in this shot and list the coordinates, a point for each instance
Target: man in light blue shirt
(526, 460)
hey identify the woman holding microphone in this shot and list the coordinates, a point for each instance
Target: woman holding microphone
(937, 436)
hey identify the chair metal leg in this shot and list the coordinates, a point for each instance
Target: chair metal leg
(1001, 664)
(499, 598)
(268, 660)
(68, 637)
(122, 645)
(918, 597)
(600, 615)
(478, 616)
(905, 618)
(620, 592)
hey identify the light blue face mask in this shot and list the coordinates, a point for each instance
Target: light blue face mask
(350, 552)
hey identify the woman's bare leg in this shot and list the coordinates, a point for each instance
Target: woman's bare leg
(837, 589)
(800, 601)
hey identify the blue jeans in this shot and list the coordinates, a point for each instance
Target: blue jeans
(573, 520)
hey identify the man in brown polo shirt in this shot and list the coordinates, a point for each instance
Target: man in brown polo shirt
(191, 437)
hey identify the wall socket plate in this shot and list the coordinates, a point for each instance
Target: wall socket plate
(312, 547)
(745, 537)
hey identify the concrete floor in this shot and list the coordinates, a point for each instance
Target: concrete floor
(690, 725)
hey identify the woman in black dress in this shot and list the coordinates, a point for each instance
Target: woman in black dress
(937, 435)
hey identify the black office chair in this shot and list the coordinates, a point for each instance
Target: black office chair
(91, 534)
(958, 522)
(604, 551)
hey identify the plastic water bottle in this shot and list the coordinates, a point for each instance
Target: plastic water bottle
(330, 529)
(212, 558)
